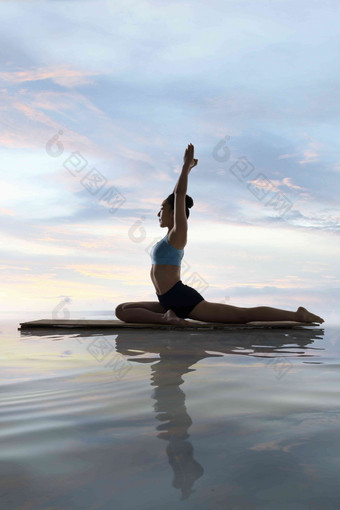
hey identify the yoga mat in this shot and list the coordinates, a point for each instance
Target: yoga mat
(117, 324)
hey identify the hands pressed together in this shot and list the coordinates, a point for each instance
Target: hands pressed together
(189, 160)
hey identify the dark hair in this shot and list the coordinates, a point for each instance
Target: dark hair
(188, 203)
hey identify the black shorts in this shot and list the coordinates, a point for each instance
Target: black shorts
(181, 298)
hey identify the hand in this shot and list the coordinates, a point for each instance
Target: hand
(189, 160)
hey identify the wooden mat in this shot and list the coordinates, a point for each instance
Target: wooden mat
(116, 324)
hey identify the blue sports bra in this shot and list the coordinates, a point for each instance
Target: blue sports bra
(163, 253)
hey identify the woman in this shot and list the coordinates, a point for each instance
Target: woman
(177, 301)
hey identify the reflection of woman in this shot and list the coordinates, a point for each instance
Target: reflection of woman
(167, 376)
(176, 300)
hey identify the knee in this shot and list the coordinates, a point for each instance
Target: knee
(119, 311)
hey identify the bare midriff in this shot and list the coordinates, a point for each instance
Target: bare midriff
(164, 276)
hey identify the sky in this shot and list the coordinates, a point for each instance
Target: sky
(99, 100)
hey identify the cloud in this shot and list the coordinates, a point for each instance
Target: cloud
(277, 445)
(129, 86)
(129, 275)
(3, 210)
(286, 156)
(26, 125)
(311, 153)
(63, 76)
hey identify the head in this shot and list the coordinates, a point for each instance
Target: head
(167, 213)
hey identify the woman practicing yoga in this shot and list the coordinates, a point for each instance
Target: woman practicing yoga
(176, 300)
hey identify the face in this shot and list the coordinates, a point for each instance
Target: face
(166, 215)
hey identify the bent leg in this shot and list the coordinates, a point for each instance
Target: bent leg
(141, 311)
(148, 312)
(154, 306)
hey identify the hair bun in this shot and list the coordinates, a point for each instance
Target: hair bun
(189, 202)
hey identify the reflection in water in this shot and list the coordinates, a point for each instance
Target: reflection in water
(170, 404)
(179, 350)
(177, 353)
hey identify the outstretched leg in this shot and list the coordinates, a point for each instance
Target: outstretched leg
(217, 312)
(267, 313)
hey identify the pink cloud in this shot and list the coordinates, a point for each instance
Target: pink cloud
(60, 75)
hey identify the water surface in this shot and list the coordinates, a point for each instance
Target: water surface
(243, 419)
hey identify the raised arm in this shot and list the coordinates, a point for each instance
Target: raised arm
(180, 227)
(189, 163)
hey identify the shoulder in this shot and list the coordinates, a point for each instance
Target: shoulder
(177, 238)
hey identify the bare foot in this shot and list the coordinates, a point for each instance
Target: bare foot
(304, 315)
(172, 318)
